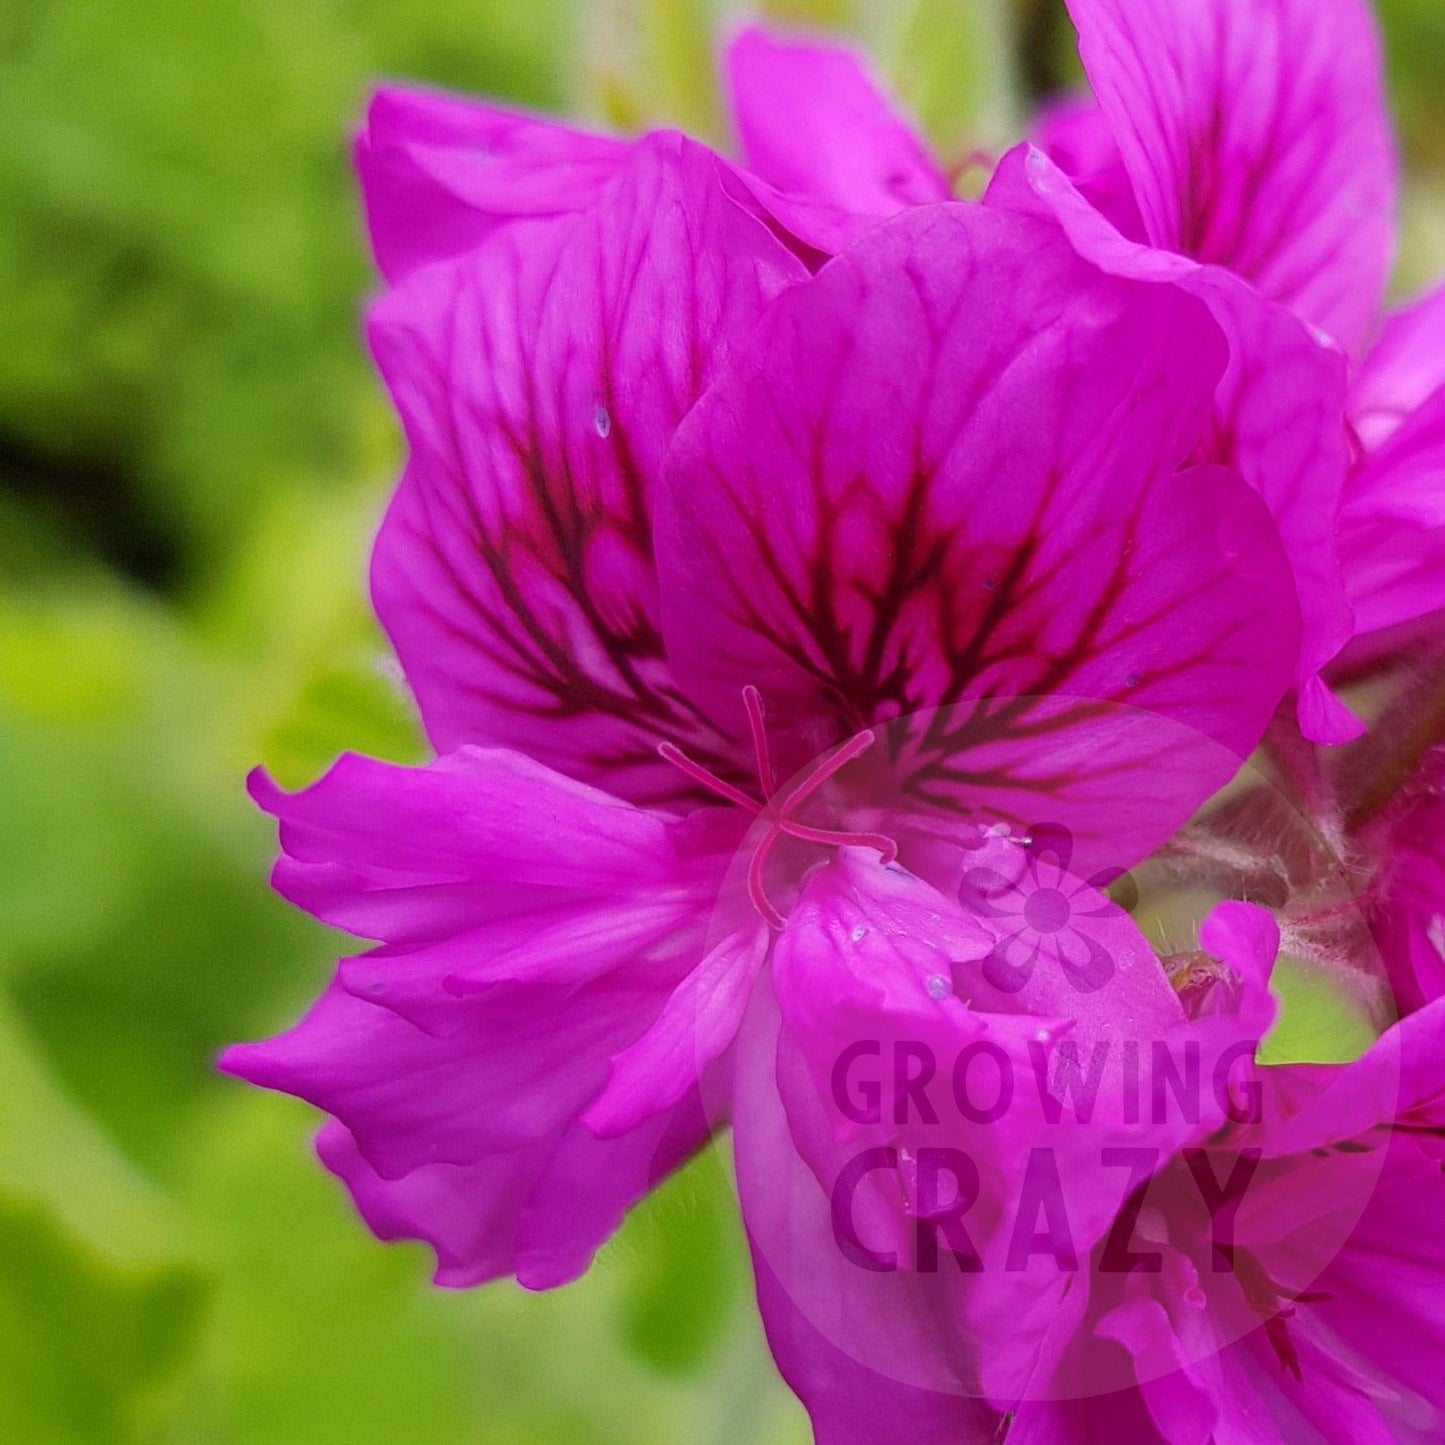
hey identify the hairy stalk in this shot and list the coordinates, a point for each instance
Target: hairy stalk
(1377, 768)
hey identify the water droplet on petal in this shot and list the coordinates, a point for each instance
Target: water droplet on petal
(939, 986)
(990, 583)
(602, 420)
(1132, 680)
(859, 934)
(1195, 1297)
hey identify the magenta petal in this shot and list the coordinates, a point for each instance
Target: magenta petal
(472, 1142)
(1257, 137)
(847, 1402)
(1384, 1295)
(1392, 524)
(468, 1215)
(534, 930)
(538, 1214)
(833, 531)
(1074, 133)
(1246, 938)
(873, 1356)
(1323, 717)
(1404, 368)
(468, 825)
(589, 1184)
(541, 378)
(514, 1072)
(1182, 1412)
(1120, 1415)
(1397, 1080)
(1369, 1337)
(695, 1026)
(1408, 916)
(813, 124)
(439, 174)
(874, 966)
(1278, 413)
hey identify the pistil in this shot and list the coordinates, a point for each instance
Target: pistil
(780, 814)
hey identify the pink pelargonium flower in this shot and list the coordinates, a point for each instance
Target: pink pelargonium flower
(700, 561)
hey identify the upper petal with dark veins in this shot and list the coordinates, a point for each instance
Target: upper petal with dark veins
(944, 481)
(439, 174)
(541, 378)
(1256, 135)
(1278, 415)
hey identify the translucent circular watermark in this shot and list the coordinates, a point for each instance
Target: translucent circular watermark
(1002, 1128)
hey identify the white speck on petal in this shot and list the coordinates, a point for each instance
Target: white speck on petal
(1436, 934)
(602, 420)
(939, 987)
(859, 934)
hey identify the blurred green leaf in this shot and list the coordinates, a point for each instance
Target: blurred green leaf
(323, 1335)
(653, 62)
(100, 1296)
(182, 249)
(686, 1273)
(833, 14)
(950, 62)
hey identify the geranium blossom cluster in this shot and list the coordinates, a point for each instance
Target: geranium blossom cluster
(845, 615)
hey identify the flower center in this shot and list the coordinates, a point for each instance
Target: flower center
(780, 813)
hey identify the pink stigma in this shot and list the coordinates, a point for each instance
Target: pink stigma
(780, 814)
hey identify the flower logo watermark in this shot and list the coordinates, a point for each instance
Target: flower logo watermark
(1045, 914)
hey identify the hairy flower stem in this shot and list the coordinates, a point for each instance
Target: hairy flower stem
(1381, 764)
(1198, 853)
(1302, 771)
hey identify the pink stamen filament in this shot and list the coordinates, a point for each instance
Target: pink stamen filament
(780, 814)
(757, 883)
(709, 780)
(753, 701)
(834, 838)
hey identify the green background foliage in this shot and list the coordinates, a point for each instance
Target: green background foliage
(193, 454)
